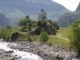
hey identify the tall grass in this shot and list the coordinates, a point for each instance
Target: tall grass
(5, 33)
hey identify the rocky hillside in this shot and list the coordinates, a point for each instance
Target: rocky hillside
(16, 9)
(3, 20)
(78, 8)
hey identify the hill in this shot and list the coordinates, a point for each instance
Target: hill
(68, 18)
(16, 9)
(3, 20)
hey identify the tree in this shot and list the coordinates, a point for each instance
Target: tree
(25, 23)
(42, 23)
(22, 22)
(75, 37)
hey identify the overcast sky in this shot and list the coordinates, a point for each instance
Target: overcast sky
(69, 4)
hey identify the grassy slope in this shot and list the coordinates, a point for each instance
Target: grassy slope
(52, 38)
(59, 41)
(65, 31)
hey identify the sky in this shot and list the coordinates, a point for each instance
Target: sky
(69, 4)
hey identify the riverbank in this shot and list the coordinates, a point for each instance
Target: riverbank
(54, 52)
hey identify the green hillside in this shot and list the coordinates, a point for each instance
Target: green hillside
(16, 9)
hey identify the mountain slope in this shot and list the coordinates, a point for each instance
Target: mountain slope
(68, 18)
(78, 8)
(3, 20)
(19, 8)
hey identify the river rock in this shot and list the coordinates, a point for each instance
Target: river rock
(54, 52)
(6, 55)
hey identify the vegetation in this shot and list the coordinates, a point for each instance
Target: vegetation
(25, 23)
(68, 18)
(28, 25)
(5, 33)
(29, 37)
(56, 25)
(75, 37)
(44, 37)
(65, 32)
(59, 41)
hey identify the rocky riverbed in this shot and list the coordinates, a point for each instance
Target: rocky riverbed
(6, 54)
(54, 52)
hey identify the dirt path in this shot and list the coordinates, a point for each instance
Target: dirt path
(60, 36)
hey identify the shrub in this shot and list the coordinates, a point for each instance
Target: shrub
(44, 37)
(75, 37)
(29, 37)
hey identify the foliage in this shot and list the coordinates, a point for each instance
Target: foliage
(25, 23)
(28, 25)
(75, 37)
(5, 33)
(22, 22)
(42, 23)
(29, 37)
(55, 24)
(44, 37)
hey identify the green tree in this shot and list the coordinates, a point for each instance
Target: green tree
(75, 37)
(44, 37)
(42, 23)
(22, 22)
(25, 23)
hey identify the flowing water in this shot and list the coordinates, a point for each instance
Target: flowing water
(22, 54)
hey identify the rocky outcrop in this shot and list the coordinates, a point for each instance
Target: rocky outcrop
(14, 36)
(49, 29)
(78, 7)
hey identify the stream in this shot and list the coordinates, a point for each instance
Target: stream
(22, 54)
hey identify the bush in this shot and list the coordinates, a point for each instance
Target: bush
(75, 37)
(42, 23)
(29, 37)
(5, 33)
(44, 37)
